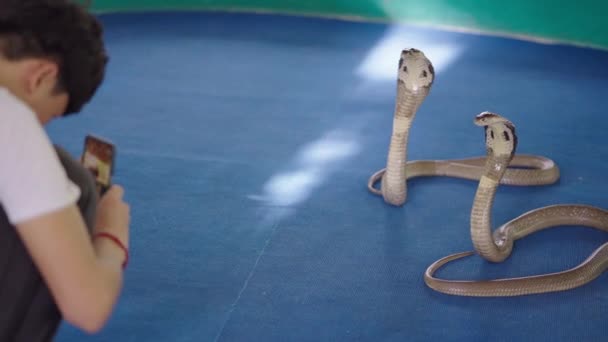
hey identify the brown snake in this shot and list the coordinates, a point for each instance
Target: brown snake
(501, 143)
(415, 78)
(500, 166)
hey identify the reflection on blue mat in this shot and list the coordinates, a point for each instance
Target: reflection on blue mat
(245, 144)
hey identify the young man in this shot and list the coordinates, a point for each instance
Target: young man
(52, 264)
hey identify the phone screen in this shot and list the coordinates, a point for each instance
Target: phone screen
(98, 157)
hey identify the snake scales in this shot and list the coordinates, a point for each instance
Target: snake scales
(500, 166)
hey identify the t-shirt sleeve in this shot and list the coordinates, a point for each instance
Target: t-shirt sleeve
(32, 180)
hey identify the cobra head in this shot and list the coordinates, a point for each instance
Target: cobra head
(501, 138)
(415, 70)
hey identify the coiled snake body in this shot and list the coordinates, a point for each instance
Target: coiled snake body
(500, 166)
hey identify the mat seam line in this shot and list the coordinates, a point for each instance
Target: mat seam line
(246, 283)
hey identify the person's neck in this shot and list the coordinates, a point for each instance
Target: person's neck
(8, 79)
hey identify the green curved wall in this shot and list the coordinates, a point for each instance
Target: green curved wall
(583, 22)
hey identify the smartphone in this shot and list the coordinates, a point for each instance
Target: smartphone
(98, 156)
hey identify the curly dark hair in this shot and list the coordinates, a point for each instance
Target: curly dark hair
(62, 31)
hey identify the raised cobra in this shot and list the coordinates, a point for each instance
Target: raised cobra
(501, 143)
(415, 78)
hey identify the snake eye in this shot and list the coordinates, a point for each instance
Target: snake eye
(405, 68)
(424, 74)
(492, 134)
(506, 135)
(400, 62)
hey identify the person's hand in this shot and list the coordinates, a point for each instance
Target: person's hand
(113, 214)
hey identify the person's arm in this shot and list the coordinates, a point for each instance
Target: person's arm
(84, 278)
(83, 275)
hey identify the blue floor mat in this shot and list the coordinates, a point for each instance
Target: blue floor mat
(245, 144)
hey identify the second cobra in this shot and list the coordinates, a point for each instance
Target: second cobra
(501, 143)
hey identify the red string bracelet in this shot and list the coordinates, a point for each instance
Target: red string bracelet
(117, 242)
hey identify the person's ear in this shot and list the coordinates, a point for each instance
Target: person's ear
(41, 75)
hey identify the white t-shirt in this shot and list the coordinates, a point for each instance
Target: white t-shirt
(32, 180)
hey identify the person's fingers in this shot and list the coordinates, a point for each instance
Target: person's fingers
(116, 191)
